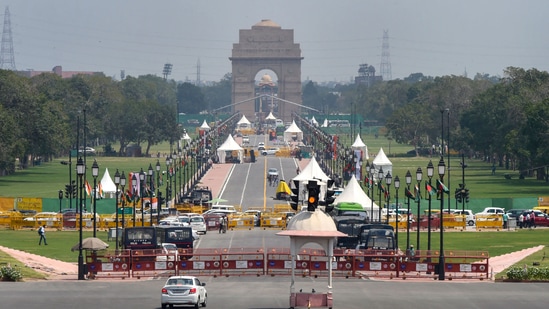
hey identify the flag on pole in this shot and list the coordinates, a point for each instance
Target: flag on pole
(417, 193)
(88, 187)
(100, 189)
(409, 194)
(430, 189)
(442, 187)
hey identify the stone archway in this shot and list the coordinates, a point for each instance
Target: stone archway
(266, 47)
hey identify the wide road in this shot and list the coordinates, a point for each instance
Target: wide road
(273, 292)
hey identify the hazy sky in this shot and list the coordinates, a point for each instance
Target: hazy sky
(434, 37)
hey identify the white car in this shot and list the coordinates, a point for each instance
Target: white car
(198, 224)
(270, 151)
(469, 216)
(183, 290)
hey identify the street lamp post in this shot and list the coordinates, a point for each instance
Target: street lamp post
(397, 186)
(134, 186)
(168, 181)
(95, 173)
(116, 183)
(430, 171)
(441, 170)
(408, 179)
(142, 176)
(419, 175)
(388, 181)
(123, 184)
(379, 185)
(175, 167)
(180, 190)
(80, 170)
(159, 205)
(370, 190)
(150, 192)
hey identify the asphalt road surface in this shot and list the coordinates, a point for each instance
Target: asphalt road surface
(273, 292)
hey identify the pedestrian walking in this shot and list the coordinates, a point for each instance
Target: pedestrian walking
(42, 233)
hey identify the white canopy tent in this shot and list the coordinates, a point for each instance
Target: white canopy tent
(107, 185)
(228, 146)
(243, 123)
(314, 122)
(312, 172)
(205, 126)
(270, 116)
(293, 133)
(325, 123)
(359, 145)
(353, 193)
(381, 162)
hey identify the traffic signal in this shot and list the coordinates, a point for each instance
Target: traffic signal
(330, 198)
(161, 200)
(458, 195)
(314, 191)
(68, 191)
(295, 195)
(73, 190)
(466, 195)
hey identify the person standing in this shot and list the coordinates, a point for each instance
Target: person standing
(521, 221)
(505, 218)
(42, 233)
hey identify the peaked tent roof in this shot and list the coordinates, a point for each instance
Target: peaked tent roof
(205, 125)
(313, 121)
(311, 171)
(293, 128)
(381, 159)
(229, 144)
(354, 193)
(243, 120)
(107, 184)
(270, 116)
(358, 142)
(186, 136)
(325, 123)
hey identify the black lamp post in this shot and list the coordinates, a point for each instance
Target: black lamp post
(370, 190)
(175, 167)
(134, 186)
(397, 186)
(151, 171)
(123, 184)
(180, 190)
(441, 170)
(419, 175)
(116, 183)
(388, 181)
(95, 173)
(168, 181)
(142, 177)
(80, 170)
(60, 199)
(408, 179)
(379, 185)
(159, 207)
(430, 171)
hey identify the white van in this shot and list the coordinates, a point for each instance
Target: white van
(224, 208)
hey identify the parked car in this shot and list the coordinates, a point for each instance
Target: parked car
(87, 150)
(469, 216)
(183, 290)
(272, 172)
(198, 223)
(256, 214)
(492, 211)
(514, 213)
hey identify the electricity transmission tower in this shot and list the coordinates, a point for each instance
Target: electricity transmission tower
(385, 67)
(7, 58)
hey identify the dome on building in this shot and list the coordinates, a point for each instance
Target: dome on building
(266, 23)
(266, 80)
(312, 221)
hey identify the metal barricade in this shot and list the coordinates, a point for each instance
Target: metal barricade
(491, 221)
(273, 220)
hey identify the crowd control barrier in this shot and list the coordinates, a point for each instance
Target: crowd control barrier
(489, 222)
(278, 262)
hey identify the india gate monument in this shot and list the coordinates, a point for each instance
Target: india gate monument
(266, 46)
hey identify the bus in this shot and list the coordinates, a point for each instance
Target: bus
(376, 237)
(181, 236)
(139, 238)
(350, 225)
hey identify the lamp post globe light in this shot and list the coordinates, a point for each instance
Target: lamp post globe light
(419, 176)
(408, 179)
(95, 173)
(441, 171)
(80, 170)
(150, 193)
(388, 181)
(430, 172)
(142, 177)
(123, 184)
(159, 205)
(134, 186)
(116, 183)
(379, 185)
(397, 186)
